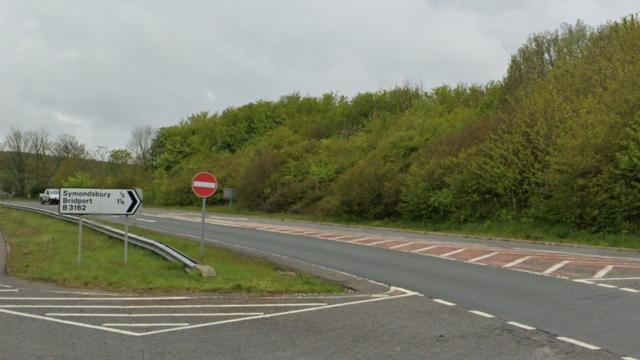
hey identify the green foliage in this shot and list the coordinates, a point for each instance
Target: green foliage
(79, 179)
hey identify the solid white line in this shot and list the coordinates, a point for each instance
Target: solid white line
(156, 306)
(278, 314)
(556, 267)
(425, 248)
(630, 290)
(480, 313)
(604, 271)
(79, 293)
(486, 256)
(401, 245)
(33, 316)
(144, 325)
(8, 290)
(203, 184)
(516, 262)
(609, 286)
(444, 302)
(151, 315)
(97, 298)
(614, 279)
(521, 326)
(579, 343)
(453, 252)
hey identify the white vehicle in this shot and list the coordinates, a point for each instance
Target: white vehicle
(50, 196)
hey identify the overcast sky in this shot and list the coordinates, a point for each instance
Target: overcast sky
(97, 69)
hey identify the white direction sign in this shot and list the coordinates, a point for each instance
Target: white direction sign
(84, 201)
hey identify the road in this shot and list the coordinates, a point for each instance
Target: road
(473, 305)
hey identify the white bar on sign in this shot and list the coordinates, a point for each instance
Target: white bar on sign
(208, 185)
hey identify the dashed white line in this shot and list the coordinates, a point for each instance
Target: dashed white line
(425, 248)
(556, 267)
(630, 290)
(579, 343)
(628, 358)
(516, 262)
(453, 252)
(486, 256)
(582, 281)
(444, 302)
(521, 326)
(145, 325)
(150, 315)
(604, 271)
(609, 286)
(480, 313)
(8, 290)
(5, 286)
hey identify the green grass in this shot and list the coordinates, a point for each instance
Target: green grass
(44, 248)
(524, 230)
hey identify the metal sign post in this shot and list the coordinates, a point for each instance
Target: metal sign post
(204, 211)
(126, 237)
(79, 259)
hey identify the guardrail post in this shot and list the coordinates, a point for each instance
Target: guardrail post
(126, 237)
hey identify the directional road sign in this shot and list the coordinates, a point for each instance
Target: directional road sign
(204, 184)
(84, 201)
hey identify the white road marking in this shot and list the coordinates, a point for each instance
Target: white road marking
(197, 306)
(146, 220)
(145, 325)
(521, 326)
(425, 248)
(79, 293)
(516, 262)
(582, 281)
(89, 326)
(486, 256)
(604, 271)
(401, 245)
(444, 302)
(628, 358)
(151, 315)
(630, 290)
(344, 237)
(609, 286)
(556, 267)
(614, 279)
(579, 343)
(380, 242)
(480, 313)
(98, 298)
(406, 294)
(8, 290)
(5, 286)
(453, 252)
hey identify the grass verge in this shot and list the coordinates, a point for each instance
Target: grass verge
(44, 248)
(524, 230)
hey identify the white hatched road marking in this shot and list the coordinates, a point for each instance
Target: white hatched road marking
(516, 262)
(556, 267)
(453, 252)
(584, 281)
(380, 242)
(401, 245)
(482, 257)
(630, 290)
(521, 326)
(151, 315)
(607, 286)
(145, 324)
(481, 313)
(425, 248)
(577, 342)
(603, 272)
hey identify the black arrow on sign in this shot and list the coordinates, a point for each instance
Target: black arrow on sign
(135, 202)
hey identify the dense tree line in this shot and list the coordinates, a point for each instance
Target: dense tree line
(557, 140)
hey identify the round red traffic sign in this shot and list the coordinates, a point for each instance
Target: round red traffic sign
(204, 184)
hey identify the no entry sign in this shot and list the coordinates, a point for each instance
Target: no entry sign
(204, 184)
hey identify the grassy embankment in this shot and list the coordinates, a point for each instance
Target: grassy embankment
(44, 248)
(508, 229)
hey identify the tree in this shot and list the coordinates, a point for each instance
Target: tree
(68, 147)
(40, 166)
(140, 145)
(15, 167)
